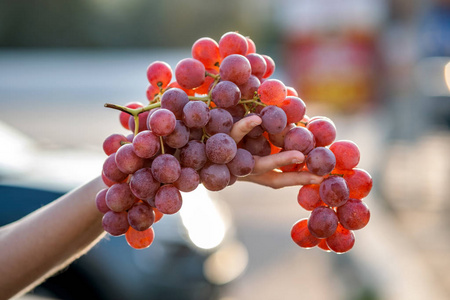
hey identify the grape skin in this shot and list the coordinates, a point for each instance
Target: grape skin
(226, 94)
(220, 148)
(342, 240)
(220, 121)
(190, 73)
(162, 122)
(127, 161)
(273, 118)
(320, 161)
(334, 191)
(146, 144)
(174, 100)
(119, 197)
(196, 114)
(166, 168)
(235, 68)
(299, 138)
(301, 235)
(115, 223)
(322, 222)
(242, 164)
(188, 181)
(111, 171)
(193, 155)
(143, 185)
(141, 216)
(215, 177)
(168, 199)
(113, 142)
(354, 214)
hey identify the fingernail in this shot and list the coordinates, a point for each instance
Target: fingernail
(297, 161)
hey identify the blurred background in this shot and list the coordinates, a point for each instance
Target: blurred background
(379, 69)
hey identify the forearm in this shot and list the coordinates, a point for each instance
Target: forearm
(48, 239)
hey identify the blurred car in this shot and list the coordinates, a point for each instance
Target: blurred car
(194, 255)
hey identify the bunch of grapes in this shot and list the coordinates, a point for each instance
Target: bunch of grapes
(181, 139)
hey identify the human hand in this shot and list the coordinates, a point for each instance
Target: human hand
(264, 172)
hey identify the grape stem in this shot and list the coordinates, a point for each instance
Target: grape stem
(162, 144)
(212, 75)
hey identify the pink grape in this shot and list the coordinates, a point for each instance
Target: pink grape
(162, 122)
(250, 88)
(159, 74)
(226, 94)
(272, 92)
(179, 136)
(143, 185)
(127, 161)
(342, 240)
(215, 177)
(334, 191)
(166, 168)
(141, 216)
(324, 131)
(354, 214)
(220, 121)
(220, 148)
(193, 155)
(322, 222)
(174, 100)
(146, 144)
(232, 43)
(115, 223)
(320, 161)
(347, 154)
(270, 66)
(294, 108)
(188, 181)
(119, 197)
(273, 119)
(111, 171)
(113, 142)
(100, 201)
(168, 199)
(206, 50)
(242, 164)
(258, 64)
(196, 114)
(300, 139)
(235, 68)
(190, 73)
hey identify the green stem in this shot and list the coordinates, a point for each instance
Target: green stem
(200, 98)
(212, 75)
(133, 111)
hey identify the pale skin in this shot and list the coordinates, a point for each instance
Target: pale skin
(38, 245)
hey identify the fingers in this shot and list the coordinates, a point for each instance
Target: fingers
(279, 180)
(270, 162)
(244, 126)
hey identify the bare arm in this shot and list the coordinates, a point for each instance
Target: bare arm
(48, 239)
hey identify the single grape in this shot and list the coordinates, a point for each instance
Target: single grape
(139, 239)
(195, 134)
(258, 64)
(226, 94)
(190, 73)
(324, 131)
(359, 183)
(174, 100)
(320, 161)
(347, 154)
(115, 223)
(242, 164)
(354, 214)
(272, 92)
(300, 139)
(291, 91)
(100, 201)
(215, 177)
(342, 240)
(270, 66)
(113, 142)
(127, 161)
(119, 197)
(196, 114)
(146, 144)
(143, 185)
(206, 50)
(251, 45)
(278, 139)
(237, 112)
(322, 222)
(111, 171)
(294, 108)
(141, 216)
(166, 168)
(162, 122)
(188, 181)
(220, 121)
(235, 68)
(179, 136)
(308, 197)
(259, 146)
(250, 88)
(159, 74)
(193, 155)
(168, 199)
(301, 235)
(220, 148)
(334, 191)
(273, 119)
(150, 93)
(232, 43)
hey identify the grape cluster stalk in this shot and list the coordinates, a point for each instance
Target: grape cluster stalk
(181, 138)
